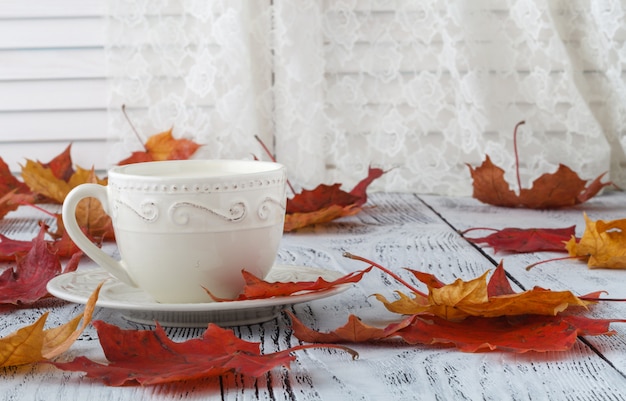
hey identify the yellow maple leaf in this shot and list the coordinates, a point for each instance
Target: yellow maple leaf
(461, 299)
(163, 146)
(32, 343)
(603, 243)
(41, 179)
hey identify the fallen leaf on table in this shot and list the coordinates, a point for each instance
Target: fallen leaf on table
(294, 221)
(551, 190)
(26, 283)
(461, 299)
(354, 331)
(327, 202)
(474, 334)
(150, 357)
(33, 343)
(525, 240)
(256, 288)
(519, 334)
(324, 203)
(163, 146)
(603, 243)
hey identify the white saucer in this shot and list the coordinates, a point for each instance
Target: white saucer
(139, 307)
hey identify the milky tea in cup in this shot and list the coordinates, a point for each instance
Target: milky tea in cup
(187, 226)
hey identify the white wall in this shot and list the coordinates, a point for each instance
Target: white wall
(52, 81)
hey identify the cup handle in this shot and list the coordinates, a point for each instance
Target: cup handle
(70, 203)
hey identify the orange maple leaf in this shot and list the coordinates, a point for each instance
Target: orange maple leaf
(551, 190)
(161, 147)
(603, 244)
(461, 299)
(294, 221)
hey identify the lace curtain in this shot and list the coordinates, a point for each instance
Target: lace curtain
(419, 88)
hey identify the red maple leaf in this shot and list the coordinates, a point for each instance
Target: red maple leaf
(513, 334)
(26, 283)
(524, 240)
(519, 334)
(150, 357)
(255, 288)
(323, 195)
(319, 198)
(327, 202)
(9, 182)
(62, 165)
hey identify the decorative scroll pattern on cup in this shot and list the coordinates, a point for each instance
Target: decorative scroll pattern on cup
(179, 212)
(148, 211)
(265, 207)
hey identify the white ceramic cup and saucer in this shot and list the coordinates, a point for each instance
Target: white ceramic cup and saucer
(189, 226)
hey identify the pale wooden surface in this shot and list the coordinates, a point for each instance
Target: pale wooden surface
(397, 230)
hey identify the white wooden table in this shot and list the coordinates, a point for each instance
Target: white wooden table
(396, 230)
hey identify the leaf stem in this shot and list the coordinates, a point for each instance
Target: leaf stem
(553, 260)
(384, 269)
(475, 229)
(353, 353)
(603, 299)
(269, 154)
(519, 183)
(133, 128)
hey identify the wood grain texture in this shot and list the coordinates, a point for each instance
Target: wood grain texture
(396, 230)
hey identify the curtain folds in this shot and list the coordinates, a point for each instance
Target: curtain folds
(419, 88)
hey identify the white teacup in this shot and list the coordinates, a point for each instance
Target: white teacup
(184, 227)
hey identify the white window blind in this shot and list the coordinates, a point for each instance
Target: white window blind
(52, 81)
